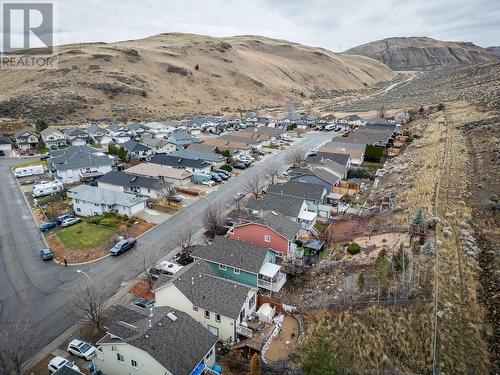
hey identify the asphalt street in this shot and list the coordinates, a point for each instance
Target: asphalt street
(42, 291)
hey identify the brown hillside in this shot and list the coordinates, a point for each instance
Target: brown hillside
(156, 77)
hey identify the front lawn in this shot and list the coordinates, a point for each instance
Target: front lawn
(85, 236)
(31, 164)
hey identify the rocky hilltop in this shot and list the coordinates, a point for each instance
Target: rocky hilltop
(494, 50)
(172, 75)
(421, 53)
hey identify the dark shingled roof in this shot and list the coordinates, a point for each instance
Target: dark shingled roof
(125, 179)
(201, 285)
(178, 162)
(133, 146)
(275, 220)
(298, 189)
(177, 345)
(287, 205)
(232, 253)
(341, 159)
(65, 370)
(4, 140)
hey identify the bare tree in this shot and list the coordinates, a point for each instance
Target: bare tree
(238, 198)
(271, 173)
(296, 157)
(89, 301)
(144, 260)
(165, 190)
(213, 220)
(185, 237)
(252, 185)
(18, 340)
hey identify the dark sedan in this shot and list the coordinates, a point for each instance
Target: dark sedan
(46, 254)
(44, 227)
(123, 245)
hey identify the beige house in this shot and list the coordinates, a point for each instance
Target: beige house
(26, 140)
(178, 177)
(220, 305)
(163, 341)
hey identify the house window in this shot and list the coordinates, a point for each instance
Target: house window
(217, 318)
(279, 254)
(195, 308)
(78, 209)
(222, 267)
(120, 358)
(209, 354)
(95, 204)
(237, 271)
(267, 238)
(133, 362)
(207, 314)
(251, 302)
(77, 200)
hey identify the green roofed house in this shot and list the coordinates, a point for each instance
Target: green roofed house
(242, 262)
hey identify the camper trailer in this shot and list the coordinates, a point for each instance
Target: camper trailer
(47, 188)
(29, 171)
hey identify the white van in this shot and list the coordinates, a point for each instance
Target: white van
(29, 171)
(330, 127)
(48, 188)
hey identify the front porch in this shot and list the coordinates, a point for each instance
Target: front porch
(270, 277)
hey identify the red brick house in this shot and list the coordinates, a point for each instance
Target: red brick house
(268, 229)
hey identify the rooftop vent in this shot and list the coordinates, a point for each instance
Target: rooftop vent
(172, 316)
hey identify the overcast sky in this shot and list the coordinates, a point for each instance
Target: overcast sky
(333, 24)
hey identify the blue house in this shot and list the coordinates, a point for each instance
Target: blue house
(248, 264)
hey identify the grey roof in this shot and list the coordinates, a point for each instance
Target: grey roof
(120, 178)
(116, 127)
(94, 129)
(178, 345)
(76, 159)
(287, 205)
(353, 118)
(65, 370)
(200, 155)
(376, 120)
(205, 289)
(98, 195)
(275, 220)
(75, 132)
(155, 142)
(67, 152)
(179, 162)
(232, 253)
(341, 159)
(182, 138)
(345, 144)
(236, 138)
(298, 189)
(4, 140)
(203, 147)
(133, 146)
(23, 131)
(49, 131)
(136, 127)
(319, 172)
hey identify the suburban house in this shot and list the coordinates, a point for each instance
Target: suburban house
(159, 129)
(352, 120)
(293, 207)
(136, 150)
(356, 151)
(119, 133)
(268, 229)
(99, 135)
(245, 263)
(313, 194)
(5, 146)
(78, 162)
(130, 183)
(216, 159)
(254, 142)
(338, 164)
(26, 140)
(53, 138)
(178, 177)
(232, 146)
(203, 147)
(164, 341)
(190, 165)
(182, 139)
(319, 175)
(220, 305)
(137, 130)
(76, 137)
(160, 145)
(90, 200)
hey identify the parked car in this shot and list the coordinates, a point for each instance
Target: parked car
(223, 176)
(183, 259)
(215, 177)
(144, 303)
(229, 223)
(259, 152)
(70, 221)
(176, 198)
(239, 195)
(240, 166)
(57, 362)
(222, 171)
(61, 218)
(246, 157)
(46, 254)
(44, 227)
(40, 182)
(81, 349)
(208, 182)
(123, 245)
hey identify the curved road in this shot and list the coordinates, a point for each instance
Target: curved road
(42, 291)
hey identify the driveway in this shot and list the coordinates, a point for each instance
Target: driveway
(42, 290)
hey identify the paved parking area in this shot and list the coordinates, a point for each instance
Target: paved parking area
(154, 216)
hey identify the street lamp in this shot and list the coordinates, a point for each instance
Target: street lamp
(88, 277)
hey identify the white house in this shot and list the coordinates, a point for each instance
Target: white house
(160, 146)
(76, 137)
(190, 165)
(90, 200)
(163, 341)
(78, 162)
(130, 183)
(5, 146)
(26, 140)
(220, 305)
(159, 129)
(137, 150)
(119, 133)
(178, 177)
(99, 135)
(53, 138)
